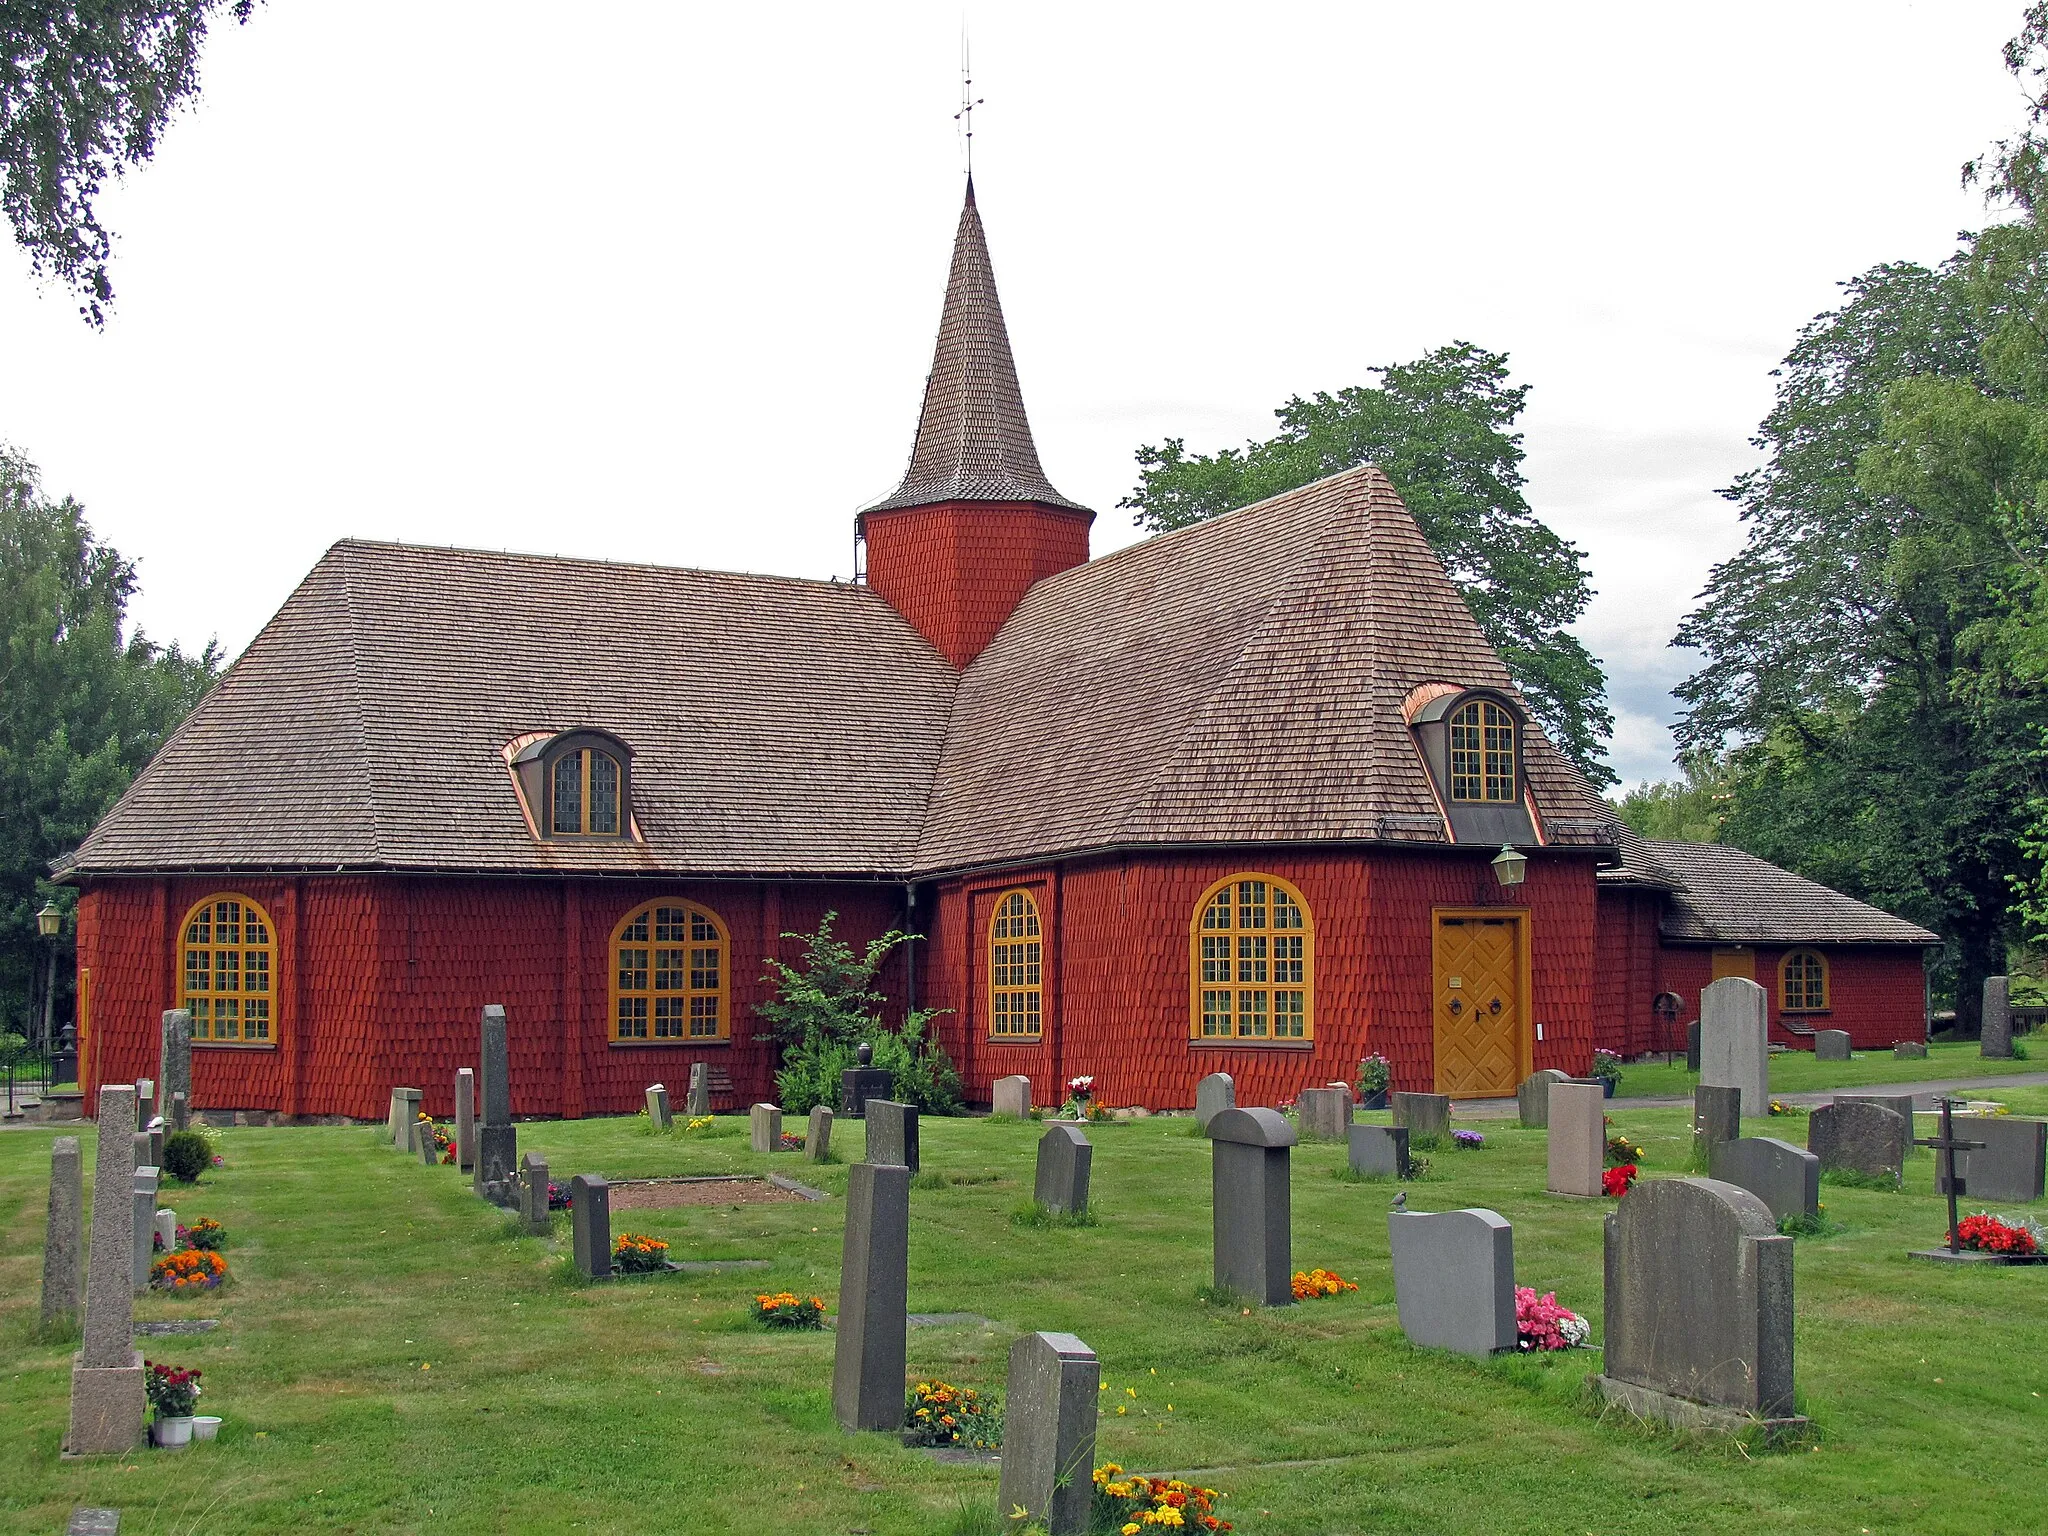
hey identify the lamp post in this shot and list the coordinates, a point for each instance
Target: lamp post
(49, 923)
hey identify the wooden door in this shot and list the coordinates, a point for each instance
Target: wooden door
(1480, 1049)
(1735, 962)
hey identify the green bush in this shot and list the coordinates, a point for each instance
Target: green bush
(187, 1154)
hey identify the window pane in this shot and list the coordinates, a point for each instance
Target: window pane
(198, 970)
(1286, 911)
(702, 929)
(668, 970)
(256, 1018)
(227, 922)
(256, 971)
(634, 932)
(202, 1017)
(1289, 1014)
(671, 924)
(1218, 913)
(1251, 959)
(704, 1017)
(227, 1018)
(568, 793)
(200, 930)
(227, 970)
(1251, 904)
(254, 930)
(669, 1013)
(1251, 1015)
(604, 793)
(703, 970)
(632, 1018)
(1216, 1011)
(633, 967)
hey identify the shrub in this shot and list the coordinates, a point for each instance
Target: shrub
(635, 1253)
(937, 1413)
(786, 1309)
(187, 1154)
(195, 1269)
(173, 1391)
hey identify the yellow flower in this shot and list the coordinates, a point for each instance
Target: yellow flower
(1131, 1529)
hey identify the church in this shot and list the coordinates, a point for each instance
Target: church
(1255, 796)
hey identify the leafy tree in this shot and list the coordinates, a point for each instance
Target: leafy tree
(1442, 427)
(86, 87)
(1689, 809)
(82, 707)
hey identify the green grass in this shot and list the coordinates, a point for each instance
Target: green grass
(395, 1358)
(1798, 1072)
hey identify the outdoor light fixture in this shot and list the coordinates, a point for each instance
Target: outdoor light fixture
(49, 921)
(1509, 866)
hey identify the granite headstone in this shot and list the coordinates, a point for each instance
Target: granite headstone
(1427, 1116)
(142, 1217)
(2008, 1166)
(107, 1398)
(764, 1127)
(1578, 1138)
(1454, 1279)
(1716, 1113)
(1532, 1098)
(818, 1135)
(1214, 1094)
(892, 1133)
(64, 1235)
(1995, 1039)
(1251, 1223)
(1324, 1114)
(1049, 1409)
(869, 1350)
(699, 1101)
(1064, 1156)
(1379, 1151)
(1831, 1045)
(465, 1119)
(533, 1195)
(1786, 1178)
(1012, 1097)
(659, 1116)
(175, 1071)
(496, 1175)
(590, 1211)
(1859, 1136)
(1734, 1050)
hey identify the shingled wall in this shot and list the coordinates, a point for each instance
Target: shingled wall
(1875, 992)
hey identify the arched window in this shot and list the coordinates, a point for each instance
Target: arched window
(1803, 982)
(227, 977)
(1252, 952)
(1016, 969)
(583, 794)
(669, 976)
(1483, 753)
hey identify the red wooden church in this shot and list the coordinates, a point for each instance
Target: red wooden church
(1252, 796)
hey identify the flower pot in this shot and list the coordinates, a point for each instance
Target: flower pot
(1374, 1100)
(1607, 1087)
(205, 1426)
(172, 1434)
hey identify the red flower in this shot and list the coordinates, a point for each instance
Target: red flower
(1616, 1181)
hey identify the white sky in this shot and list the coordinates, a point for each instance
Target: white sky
(659, 283)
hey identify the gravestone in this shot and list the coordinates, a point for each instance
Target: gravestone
(764, 1127)
(426, 1144)
(892, 1133)
(1578, 1138)
(1064, 1156)
(63, 1236)
(465, 1119)
(142, 1219)
(818, 1135)
(1859, 1137)
(1910, 1050)
(590, 1211)
(166, 1231)
(1831, 1045)
(863, 1081)
(1454, 1279)
(699, 1101)
(1901, 1104)
(1692, 1046)
(497, 1140)
(405, 1109)
(1995, 1040)
(1049, 1408)
(174, 1072)
(1013, 1097)
(1786, 1178)
(145, 1102)
(1733, 1046)
(1380, 1151)
(181, 1112)
(533, 1195)
(1324, 1114)
(1716, 1114)
(1698, 1308)
(1427, 1115)
(2009, 1164)
(106, 1374)
(1532, 1098)
(156, 1141)
(659, 1116)
(1250, 1195)
(1214, 1094)
(869, 1350)
(139, 1151)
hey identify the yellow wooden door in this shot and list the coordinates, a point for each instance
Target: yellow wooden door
(1478, 1006)
(1735, 962)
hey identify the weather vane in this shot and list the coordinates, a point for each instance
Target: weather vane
(968, 102)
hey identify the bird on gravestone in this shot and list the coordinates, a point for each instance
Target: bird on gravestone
(1400, 1199)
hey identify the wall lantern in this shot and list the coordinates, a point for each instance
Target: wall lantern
(1509, 866)
(49, 921)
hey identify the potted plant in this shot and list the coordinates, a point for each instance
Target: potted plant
(174, 1393)
(1374, 1073)
(1607, 1068)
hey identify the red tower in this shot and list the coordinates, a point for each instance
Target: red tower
(975, 522)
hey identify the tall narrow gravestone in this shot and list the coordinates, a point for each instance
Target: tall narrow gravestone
(142, 1228)
(1252, 1233)
(1012, 1098)
(174, 1073)
(1532, 1099)
(1831, 1045)
(1733, 1045)
(106, 1375)
(874, 1299)
(590, 1210)
(533, 1195)
(1699, 1308)
(1214, 1094)
(818, 1135)
(1995, 1039)
(659, 1116)
(1859, 1136)
(2007, 1162)
(1786, 1178)
(1427, 1116)
(699, 1101)
(1454, 1279)
(764, 1127)
(1064, 1156)
(63, 1237)
(497, 1141)
(465, 1119)
(1692, 1046)
(1049, 1409)
(1716, 1114)
(1578, 1138)
(892, 1133)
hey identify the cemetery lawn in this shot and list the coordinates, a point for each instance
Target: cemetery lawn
(394, 1358)
(1799, 1072)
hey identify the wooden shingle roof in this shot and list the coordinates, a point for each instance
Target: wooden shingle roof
(1721, 895)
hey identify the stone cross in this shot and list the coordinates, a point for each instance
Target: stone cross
(142, 1218)
(764, 1125)
(175, 1070)
(2006, 1164)
(1324, 1114)
(1012, 1097)
(1064, 1156)
(1379, 1151)
(1454, 1279)
(1831, 1045)
(590, 1210)
(699, 1101)
(1578, 1138)
(818, 1135)
(1734, 1050)
(1214, 1094)
(892, 1133)
(106, 1375)
(1786, 1178)
(1250, 1195)
(1049, 1409)
(870, 1348)
(497, 1139)
(533, 1195)
(1995, 1039)
(1532, 1099)
(1699, 1307)
(405, 1111)
(465, 1118)
(1716, 1114)
(63, 1237)
(659, 1115)
(1427, 1116)
(1859, 1136)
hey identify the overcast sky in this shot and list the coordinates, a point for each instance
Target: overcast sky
(659, 283)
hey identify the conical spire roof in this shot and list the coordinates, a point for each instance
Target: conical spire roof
(973, 439)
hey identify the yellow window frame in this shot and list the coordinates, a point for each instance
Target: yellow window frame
(1016, 968)
(1482, 754)
(1251, 964)
(228, 981)
(1812, 982)
(670, 976)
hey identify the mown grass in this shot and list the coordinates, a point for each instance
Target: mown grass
(395, 1358)
(1799, 1072)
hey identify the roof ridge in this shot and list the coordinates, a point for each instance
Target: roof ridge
(410, 546)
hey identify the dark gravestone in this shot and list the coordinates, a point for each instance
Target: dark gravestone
(497, 1141)
(1380, 1151)
(1831, 1045)
(2007, 1166)
(1064, 1155)
(874, 1299)
(1901, 1104)
(1532, 1099)
(892, 1133)
(590, 1203)
(1995, 1040)
(1786, 1178)
(1699, 1307)
(1716, 1113)
(87, 1521)
(1454, 1279)
(533, 1195)
(1049, 1408)
(465, 1119)
(699, 1100)
(497, 1059)
(1251, 1197)
(1692, 1046)
(1427, 1115)
(863, 1081)
(1864, 1138)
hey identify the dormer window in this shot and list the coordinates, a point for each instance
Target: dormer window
(575, 784)
(1471, 741)
(1483, 753)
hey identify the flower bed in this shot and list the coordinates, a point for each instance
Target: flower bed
(444, 1144)
(1314, 1283)
(1985, 1233)
(1135, 1503)
(938, 1413)
(195, 1269)
(1616, 1182)
(1541, 1323)
(205, 1233)
(786, 1309)
(635, 1253)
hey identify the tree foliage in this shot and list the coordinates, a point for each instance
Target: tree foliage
(1689, 809)
(82, 706)
(86, 88)
(1442, 427)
